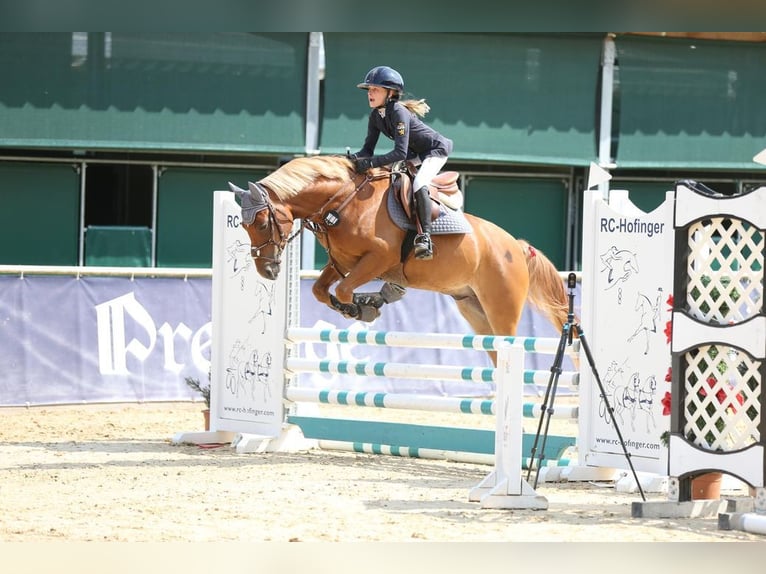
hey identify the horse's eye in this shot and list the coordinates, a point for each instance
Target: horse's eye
(263, 226)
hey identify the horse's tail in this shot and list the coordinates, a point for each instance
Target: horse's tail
(546, 288)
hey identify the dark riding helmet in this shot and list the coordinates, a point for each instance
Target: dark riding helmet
(384, 77)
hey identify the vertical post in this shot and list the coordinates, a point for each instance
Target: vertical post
(605, 125)
(81, 244)
(155, 191)
(504, 487)
(314, 76)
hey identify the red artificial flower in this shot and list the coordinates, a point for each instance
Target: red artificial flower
(669, 302)
(669, 375)
(722, 395)
(668, 332)
(666, 404)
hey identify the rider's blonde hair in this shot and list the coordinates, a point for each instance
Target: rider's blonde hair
(417, 107)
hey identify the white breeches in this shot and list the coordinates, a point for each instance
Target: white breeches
(428, 169)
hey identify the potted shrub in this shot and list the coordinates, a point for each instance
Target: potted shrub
(203, 390)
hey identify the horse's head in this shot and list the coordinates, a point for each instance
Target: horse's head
(268, 235)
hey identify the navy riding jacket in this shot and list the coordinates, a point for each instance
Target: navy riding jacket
(412, 138)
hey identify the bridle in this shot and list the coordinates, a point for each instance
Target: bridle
(278, 238)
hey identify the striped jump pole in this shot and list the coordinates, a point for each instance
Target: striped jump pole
(415, 402)
(411, 371)
(544, 345)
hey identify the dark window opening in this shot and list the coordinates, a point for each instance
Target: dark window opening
(118, 195)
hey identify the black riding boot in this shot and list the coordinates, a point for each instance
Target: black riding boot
(422, 243)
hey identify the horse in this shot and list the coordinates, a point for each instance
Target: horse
(488, 273)
(649, 315)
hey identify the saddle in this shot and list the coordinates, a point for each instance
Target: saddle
(443, 190)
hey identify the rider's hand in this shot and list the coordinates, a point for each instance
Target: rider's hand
(362, 164)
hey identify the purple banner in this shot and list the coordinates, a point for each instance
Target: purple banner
(116, 339)
(101, 339)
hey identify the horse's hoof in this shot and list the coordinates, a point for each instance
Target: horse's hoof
(348, 310)
(369, 300)
(391, 292)
(368, 313)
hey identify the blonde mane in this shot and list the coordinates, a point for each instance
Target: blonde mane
(299, 173)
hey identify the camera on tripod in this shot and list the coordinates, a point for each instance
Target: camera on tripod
(547, 410)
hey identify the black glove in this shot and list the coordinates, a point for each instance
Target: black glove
(362, 164)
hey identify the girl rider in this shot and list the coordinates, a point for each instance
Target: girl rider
(400, 121)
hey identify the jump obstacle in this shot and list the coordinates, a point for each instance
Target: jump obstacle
(470, 445)
(235, 414)
(244, 357)
(718, 343)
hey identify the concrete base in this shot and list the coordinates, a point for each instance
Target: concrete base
(689, 509)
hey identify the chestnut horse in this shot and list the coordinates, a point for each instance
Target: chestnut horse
(489, 273)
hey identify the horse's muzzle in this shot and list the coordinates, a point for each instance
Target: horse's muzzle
(270, 270)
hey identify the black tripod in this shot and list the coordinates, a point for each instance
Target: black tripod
(567, 333)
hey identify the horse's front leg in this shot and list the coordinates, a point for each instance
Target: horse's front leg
(364, 306)
(321, 292)
(321, 287)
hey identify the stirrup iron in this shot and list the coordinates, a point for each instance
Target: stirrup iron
(423, 247)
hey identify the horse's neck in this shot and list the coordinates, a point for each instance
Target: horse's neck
(318, 196)
(323, 196)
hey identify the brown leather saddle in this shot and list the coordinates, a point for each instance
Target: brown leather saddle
(443, 190)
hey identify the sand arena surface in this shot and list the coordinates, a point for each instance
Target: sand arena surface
(110, 473)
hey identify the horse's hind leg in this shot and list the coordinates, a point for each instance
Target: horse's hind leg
(472, 311)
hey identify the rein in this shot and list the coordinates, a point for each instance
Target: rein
(308, 222)
(320, 226)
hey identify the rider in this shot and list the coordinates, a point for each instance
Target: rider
(400, 121)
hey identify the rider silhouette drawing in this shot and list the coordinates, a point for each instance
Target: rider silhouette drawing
(400, 121)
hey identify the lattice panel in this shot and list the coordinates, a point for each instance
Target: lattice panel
(722, 406)
(725, 256)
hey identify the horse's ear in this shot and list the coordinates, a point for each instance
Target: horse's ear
(254, 191)
(237, 190)
(257, 194)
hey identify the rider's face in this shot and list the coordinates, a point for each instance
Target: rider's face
(376, 96)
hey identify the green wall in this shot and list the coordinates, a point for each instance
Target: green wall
(185, 213)
(39, 214)
(531, 209)
(690, 103)
(504, 97)
(184, 92)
